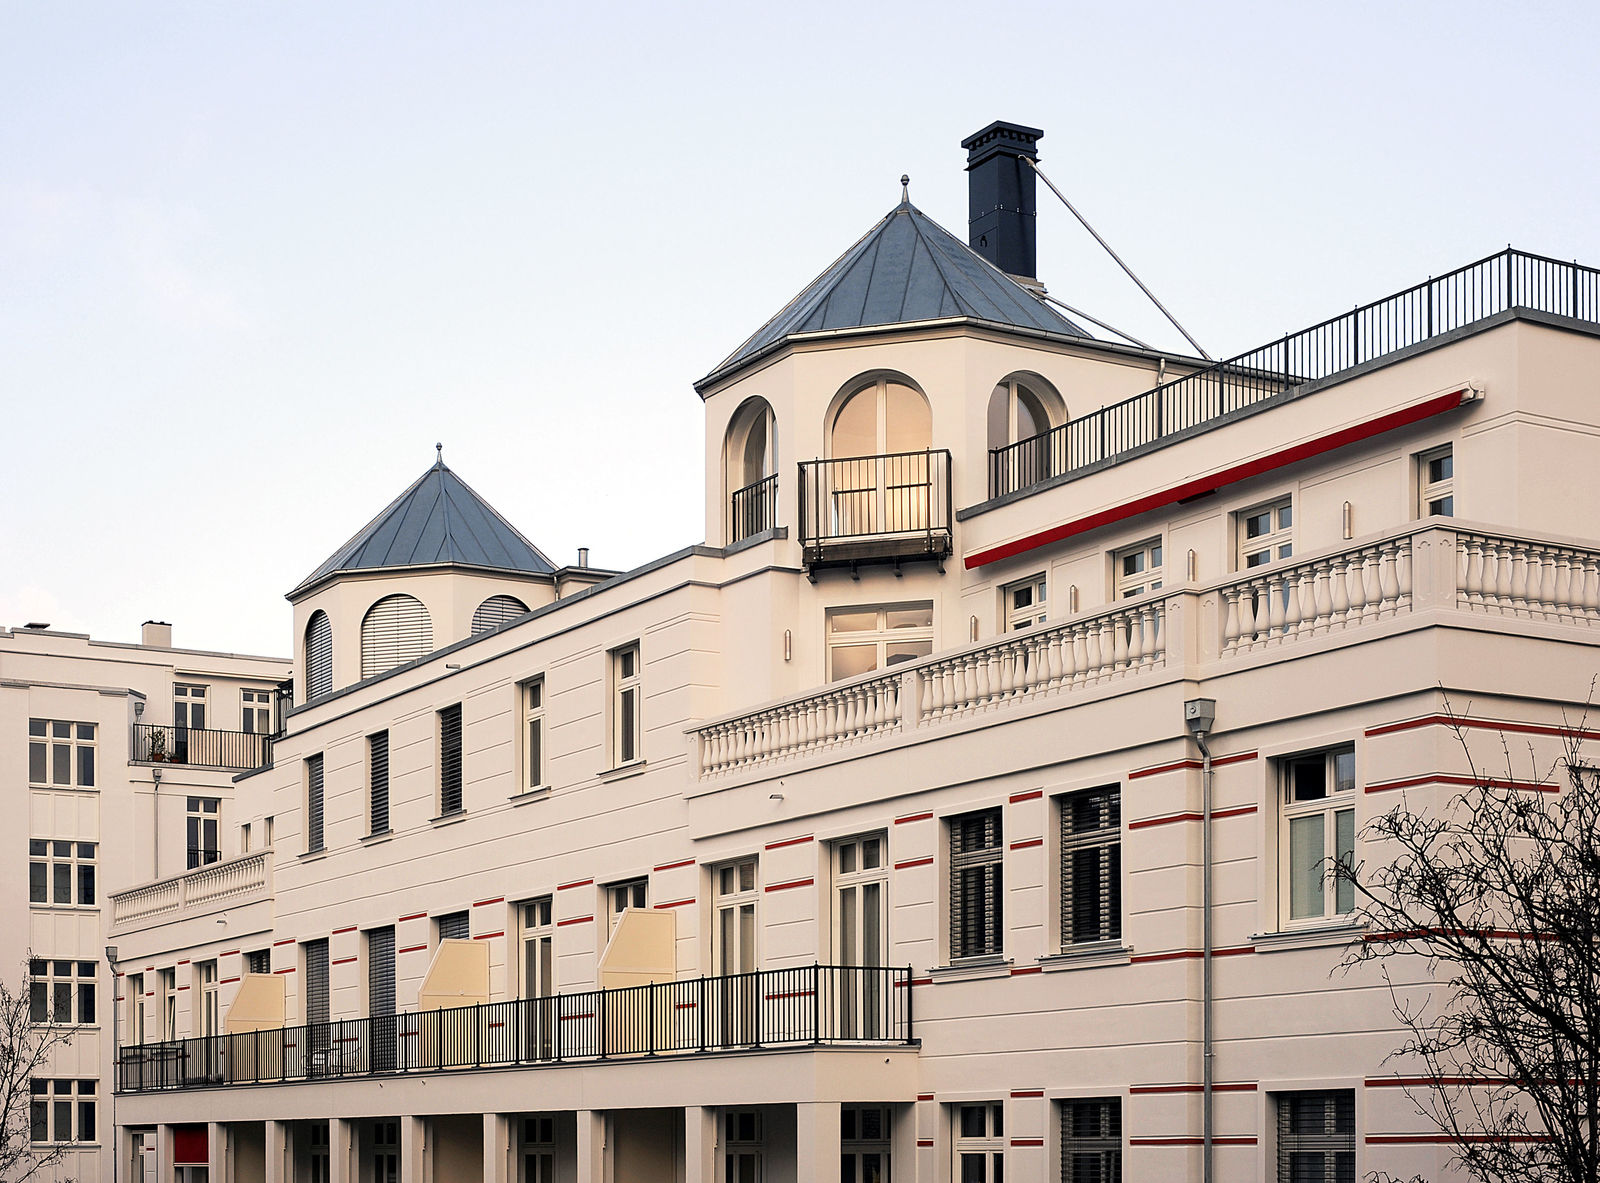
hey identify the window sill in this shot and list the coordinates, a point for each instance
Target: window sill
(1307, 938)
(310, 856)
(379, 837)
(448, 819)
(971, 969)
(47, 906)
(1087, 956)
(621, 771)
(523, 798)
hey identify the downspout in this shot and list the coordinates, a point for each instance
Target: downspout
(1199, 714)
(155, 827)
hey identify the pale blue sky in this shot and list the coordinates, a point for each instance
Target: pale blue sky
(256, 258)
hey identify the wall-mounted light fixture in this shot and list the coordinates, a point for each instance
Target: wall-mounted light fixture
(138, 709)
(1349, 522)
(1194, 566)
(972, 629)
(1072, 598)
(788, 644)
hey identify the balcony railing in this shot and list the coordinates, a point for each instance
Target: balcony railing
(875, 508)
(809, 1005)
(1274, 372)
(200, 747)
(753, 509)
(211, 888)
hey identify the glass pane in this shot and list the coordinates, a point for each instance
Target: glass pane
(972, 1168)
(847, 858)
(61, 764)
(855, 428)
(1133, 564)
(900, 651)
(1344, 772)
(1344, 845)
(1260, 559)
(848, 929)
(86, 767)
(1441, 468)
(1285, 517)
(38, 883)
(85, 885)
(872, 853)
(997, 1113)
(1305, 866)
(910, 617)
(61, 730)
(1308, 779)
(850, 660)
(972, 1121)
(63, 884)
(725, 881)
(871, 924)
(1443, 507)
(909, 420)
(852, 622)
(1258, 525)
(36, 727)
(747, 876)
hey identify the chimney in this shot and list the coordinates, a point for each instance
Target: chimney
(156, 633)
(583, 556)
(1001, 210)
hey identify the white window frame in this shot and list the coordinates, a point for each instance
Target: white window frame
(135, 998)
(1276, 544)
(534, 759)
(190, 696)
(622, 895)
(167, 996)
(536, 926)
(1441, 490)
(1149, 554)
(46, 737)
(200, 821)
(627, 703)
(849, 858)
(54, 981)
(986, 856)
(1335, 801)
(255, 711)
(53, 854)
(1030, 613)
(206, 978)
(735, 887)
(990, 1144)
(882, 635)
(78, 1094)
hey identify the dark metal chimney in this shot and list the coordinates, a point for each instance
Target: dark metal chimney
(1001, 209)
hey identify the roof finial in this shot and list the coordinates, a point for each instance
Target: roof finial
(905, 187)
(439, 448)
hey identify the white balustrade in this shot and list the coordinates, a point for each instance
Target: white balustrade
(1322, 595)
(830, 719)
(195, 893)
(1532, 580)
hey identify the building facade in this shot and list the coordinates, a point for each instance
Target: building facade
(872, 838)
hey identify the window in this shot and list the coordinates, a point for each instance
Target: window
(395, 630)
(1319, 821)
(625, 726)
(864, 1141)
(1266, 534)
(319, 656)
(742, 1146)
(537, 936)
(313, 805)
(168, 999)
(210, 1000)
(61, 991)
(450, 760)
(135, 1010)
(258, 961)
(1436, 482)
(1091, 866)
(316, 984)
(532, 694)
(188, 708)
(61, 873)
(539, 1149)
(454, 926)
(861, 889)
(256, 713)
(61, 754)
(244, 838)
(495, 611)
(202, 827)
(751, 459)
(734, 933)
(632, 893)
(880, 476)
(378, 783)
(980, 1143)
(61, 1110)
(1091, 1141)
(1017, 413)
(880, 418)
(1317, 1136)
(976, 892)
(1024, 604)
(1137, 569)
(864, 639)
(318, 1152)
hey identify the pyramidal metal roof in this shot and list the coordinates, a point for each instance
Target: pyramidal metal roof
(437, 520)
(906, 268)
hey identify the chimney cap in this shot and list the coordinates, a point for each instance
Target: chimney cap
(1002, 138)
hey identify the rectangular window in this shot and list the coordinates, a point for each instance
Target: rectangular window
(1091, 1140)
(454, 926)
(316, 984)
(188, 707)
(61, 874)
(632, 893)
(61, 1110)
(314, 803)
(539, 1149)
(61, 754)
(976, 885)
(1024, 603)
(169, 1003)
(257, 712)
(210, 1000)
(734, 932)
(450, 760)
(1436, 483)
(135, 1009)
(378, 783)
(1091, 866)
(244, 838)
(980, 1143)
(1319, 825)
(536, 932)
(61, 991)
(532, 693)
(869, 638)
(1266, 533)
(203, 819)
(626, 731)
(1137, 569)
(258, 961)
(865, 1134)
(1317, 1136)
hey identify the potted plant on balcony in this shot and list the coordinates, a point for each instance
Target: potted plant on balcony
(156, 745)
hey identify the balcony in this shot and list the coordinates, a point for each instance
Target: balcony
(814, 1005)
(875, 509)
(753, 509)
(199, 747)
(215, 887)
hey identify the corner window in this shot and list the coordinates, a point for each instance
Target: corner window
(1316, 1135)
(531, 694)
(1091, 866)
(631, 893)
(1137, 569)
(977, 893)
(61, 873)
(1091, 1140)
(1319, 825)
(1266, 533)
(1024, 603)
(450, 760)
(61, 991)
(1436, 482)
(378, 783)
(314, 806)
(61, 754)
(626, 731)
(980, 1143)
(872, 637)
(201, 824)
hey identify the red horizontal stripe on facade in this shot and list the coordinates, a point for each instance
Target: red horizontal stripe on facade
(185, 961)
(688, 862)
(183, 987)
(1151, 1089)
(1020, 1093)
(489, 936)
(676, 903)
(790, 842)
(1452, 778)
(345, 929)
(344, 961)
(1027, 1142)
(1025, 843)
(1237, 1140)
(1482, 724)
(413, 949)
(574, 883)
(902, 983)
(285, 970)
(224, 982)
(924, 1142)
(413, 916)
(913, 862)
(1441, 1139)
(1191, 762)
(1406, 1082)
(912, 817)
(1227, 476)
(1019, 798)
(924, 1096)
(285, 941)
(499, 899)
(1190, 816)
(789, 884)
(573, 920)
(229, 953)
(1193, 954)
(1027, 969)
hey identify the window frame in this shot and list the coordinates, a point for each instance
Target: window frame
(736, 900)
(993, 942)
(627, 704)
(379, 782)
(255, 711)
(1108, 1142)
(198, 820)
(991, 1144)
(536, 926)
(77, 985)
(1014, 618)
(881, 636)
(45, 737)
(1286, 1143)
(1431, 491)
(316, 803)
(1329, 806)
(1151, 577)
(1107, 838)
(533, 757)
(1274, 542)
(77, 1099)
(207, 978)
(638, 886)
(450, 728)
(79, 861)
(193, 698)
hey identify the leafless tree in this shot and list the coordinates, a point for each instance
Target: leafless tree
(1496, 898)
(26, 1048)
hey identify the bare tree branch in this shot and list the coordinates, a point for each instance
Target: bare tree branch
(26, 1051)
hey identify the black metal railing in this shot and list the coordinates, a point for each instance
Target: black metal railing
(900, 503)
(1508, 280)
(806, 1005)
(201, 746)
(200, 856)
(753, 509)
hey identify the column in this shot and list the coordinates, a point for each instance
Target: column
(816, 1139)
(592, 1146)
(277, 1152)
(700, 1144)
(164, 1152)
(341, 1150)
(217, 1153)
(415, 1159)
(497, 1165)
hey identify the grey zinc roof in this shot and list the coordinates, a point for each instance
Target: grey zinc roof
(438, 519)
(906, 268)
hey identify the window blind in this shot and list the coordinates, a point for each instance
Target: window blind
(976, 889)
(313, 803)
(378, 779)
(495, 611)
(319, 656)
(450, 759)
(1091, 866)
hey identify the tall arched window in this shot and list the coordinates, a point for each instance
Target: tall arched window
(495, 611)
(319, 655)
(881, 417)
(1022, 410)
(396, 630)
(752, 467)
(880, 476)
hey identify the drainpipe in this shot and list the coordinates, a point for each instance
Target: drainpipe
(155, 809)
(1199, 714)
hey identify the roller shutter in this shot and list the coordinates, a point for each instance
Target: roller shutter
(319, 656)
(396, 630)
(495, 611)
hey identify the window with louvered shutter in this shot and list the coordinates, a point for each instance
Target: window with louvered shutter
(1317, 1137)
(1091, 1141)
(396, 630)
(316, 981)
(495, 611)
(976, 886)
(313, 803)
(258, 961)
(450, 759)
(380, 971)
(454, 926)
(319, 656)
(378, 782)
(1091, 866)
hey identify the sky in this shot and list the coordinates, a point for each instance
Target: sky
(256, 259)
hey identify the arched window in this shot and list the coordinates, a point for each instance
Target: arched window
(752, 467)
(495, 611)
(396, 630)
(880, 480)
(319, 655)
(882, 417)
(1022, 410)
